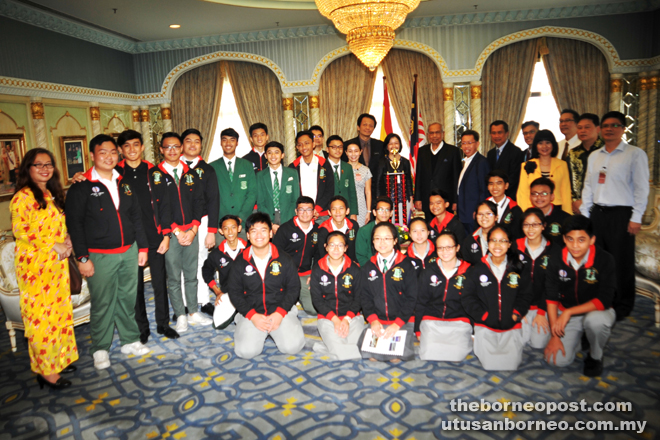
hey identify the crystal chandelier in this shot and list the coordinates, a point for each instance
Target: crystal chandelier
(368, 24)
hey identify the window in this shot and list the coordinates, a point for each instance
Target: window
(377, 110)
(227, 118)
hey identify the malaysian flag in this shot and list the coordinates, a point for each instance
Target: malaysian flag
(417, 133)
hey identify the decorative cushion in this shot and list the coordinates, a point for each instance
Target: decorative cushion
(7, 269)
(647, 255)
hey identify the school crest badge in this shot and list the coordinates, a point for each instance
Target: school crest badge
(474, 248)
(513, 280)
(315, 237)
(347, 281)
(127, 189)
(591, 276)
(554, 229)
(483, 280)
(243, 184)
(96, 191)
(223, 262)
(345, 183)
(249, 270)
(324, 281)
(373, 275)
(544, 262)
(189, 180)
(200, 172)
(459, 282)
(158, 176)
(432, 234)
(322, 173)
(288, 189)
(351, 234)
(397, 274)
(275, 268)
(435, 281)
(294, 237)
(507, 219)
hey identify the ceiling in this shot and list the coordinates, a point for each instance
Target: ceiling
(149, 20)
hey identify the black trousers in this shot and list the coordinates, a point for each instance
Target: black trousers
(159, 284)
(611, 229)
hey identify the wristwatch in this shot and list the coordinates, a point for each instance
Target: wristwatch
(83, 259)
(168, 235)
(177, 232)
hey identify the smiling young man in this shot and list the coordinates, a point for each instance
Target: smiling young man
(542, 194)
(508, 211)
(443, 219)
(338, 221)
(343, 174)
(258, 139)
(105, 223)
(264, 288)
(383, 212)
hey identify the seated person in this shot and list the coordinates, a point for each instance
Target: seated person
(580, 284)
(541, 194)
(264, 287)
(335, 286)
(445, 331)
(475, 246)
(299, 238)
(389, 294)
(219, 262)
(508, 211)
(364, 249)
(338, 221)
(496, 296)
(443, 219)
(421, 247)
(537, 248)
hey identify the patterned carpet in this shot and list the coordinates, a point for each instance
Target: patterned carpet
(195, 387)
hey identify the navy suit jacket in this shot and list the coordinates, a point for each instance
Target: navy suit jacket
(510, 160)
(473, 188)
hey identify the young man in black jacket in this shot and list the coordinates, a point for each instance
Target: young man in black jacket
(542, 194)
(580, 284)
(264, 287)
(105, 223)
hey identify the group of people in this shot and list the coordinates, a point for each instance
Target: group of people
(497, 260)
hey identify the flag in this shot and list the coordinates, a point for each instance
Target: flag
(386, 126)
(417, 133)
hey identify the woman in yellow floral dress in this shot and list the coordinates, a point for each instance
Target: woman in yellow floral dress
(42, 271)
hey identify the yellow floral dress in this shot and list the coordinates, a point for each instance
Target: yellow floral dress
(43, 281)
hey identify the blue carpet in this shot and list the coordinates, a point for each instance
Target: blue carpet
(195, 387)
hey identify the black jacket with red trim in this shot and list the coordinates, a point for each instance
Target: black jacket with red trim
(210, 191)
(420, 263)
(538, 268)
(155, 210)
(95, 225)
(439, 299)
(259, 161)
(471, 250)
(553, 222)
(451, 222)
(491, 303)
(511, 217)
(186, 200)
(336, 296)
(276, 292)
(301, 247)
(595, 281)
(326, 228)
(390, 297)
(219, 261)
(325, 183)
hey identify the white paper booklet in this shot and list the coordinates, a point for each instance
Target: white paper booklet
(392, 346)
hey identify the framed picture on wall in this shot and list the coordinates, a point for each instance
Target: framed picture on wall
(12, 150)
(74, 156)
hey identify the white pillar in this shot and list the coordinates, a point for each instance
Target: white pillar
(135, 114)
(95, 115)
(448, 97)
(652, 140)
(314, 110)
(616, 86)
(475, 106)
(166, 116)
(289, 133)
(642, 115)
(37, 110)
(146, 134)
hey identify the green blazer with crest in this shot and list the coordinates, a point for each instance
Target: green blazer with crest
(289, 192)
(239, 195)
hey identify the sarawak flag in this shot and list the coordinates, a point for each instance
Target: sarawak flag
(386, 126)
(417, 133)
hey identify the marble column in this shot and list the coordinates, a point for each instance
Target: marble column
(146, 134)
(449, 126)
(314, 110)
(37, 110)
(643, 113)
(475, 106)
(616, 87)
(652, 132)
(166, 116)
(95, 115)
(135, 114)
(289, 133)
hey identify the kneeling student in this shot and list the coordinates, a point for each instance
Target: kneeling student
(336, 282)
(497, 294)
(338, 221)
(445, 330)
(475, 246)
(421, 247)
(264, 287)
(508, 211)
(443, 219)
(219, 261)
(580, 282)
(390, 293)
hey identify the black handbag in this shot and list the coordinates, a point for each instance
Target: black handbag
(75, 278)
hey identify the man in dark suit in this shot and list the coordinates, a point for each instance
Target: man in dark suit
(472, 186)
(438, 168)
(372, 149)
(505, 156)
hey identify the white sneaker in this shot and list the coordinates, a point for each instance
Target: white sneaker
(101, 360)
(137, 348)
(198, 318)
(181, 324)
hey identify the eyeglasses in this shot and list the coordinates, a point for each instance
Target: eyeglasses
(383, 210)
(536, 194)
(305, 211)
(338, 246)
(446, 248)
(468, 143)
(561, 121)
(532, 225)
(318, 136)
(383, 239)
(485, 214)
(611, 126)
(171, 147)
(500, 241)
(42, 166)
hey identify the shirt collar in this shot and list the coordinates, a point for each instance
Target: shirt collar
(193, 163)
(434, 152)
(503, 145)
(389, 260)
(334, 164)
(169, 168)
(315, 161)
(97, 176)
(570, 260)
(268, 257)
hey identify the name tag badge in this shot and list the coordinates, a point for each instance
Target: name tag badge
(602, 175)
(241, 176)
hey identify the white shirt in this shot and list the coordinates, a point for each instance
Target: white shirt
(170, 169)
(305, 231)
(434, 152)
(272, 176)
(233, 252)
(390, 260)
(336, 271)
(567, 144)
(343, 228)
(193, 162)
(483, 240)
(232, 160)
(426, 252)
(110, 184)
(261, 263)
(534, 253)
(450, 273)
(498, 271)
(501, 207)
(309, 177)
(501, 147)
(466, 164)
(574, 264)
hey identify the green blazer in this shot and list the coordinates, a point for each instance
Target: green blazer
(237, 197)
(289, 192)
(346, 185)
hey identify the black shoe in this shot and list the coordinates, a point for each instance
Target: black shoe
(585, 342)
(592, 367)
(208, 308)
(144, 336)
(174, 317)
(69, 369)
(168, 331)
(60, 384)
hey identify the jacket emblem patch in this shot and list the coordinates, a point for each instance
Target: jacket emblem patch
(96, 192)
(315, 237)
(346, 183)
(288, 189)
(127, 189)
(249, 270)
(351, 234)
(200, 172)
(554, 229)
(322, 174)
(294, 237)
(189, 180)
(459, 282)
(435, 281)
(483, 279)
(397, 274)
(275, 268)
(373, 275)
(591, 276)
(507, 219)
(347, 281)
(513, 280)
(324, 281)
(158, 176)
(243, 184)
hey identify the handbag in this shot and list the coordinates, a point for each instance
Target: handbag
(75, 278)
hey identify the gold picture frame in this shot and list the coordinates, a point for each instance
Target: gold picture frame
(75, 157)
(12, 151)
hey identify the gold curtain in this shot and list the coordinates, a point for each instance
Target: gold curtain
(196, 102)
(506, 83)
(258, 96)
(578, 74)
(346, 89)
(400, 66)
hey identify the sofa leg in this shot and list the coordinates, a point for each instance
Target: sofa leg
(12, 336)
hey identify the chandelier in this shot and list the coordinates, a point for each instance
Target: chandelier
(368, 24)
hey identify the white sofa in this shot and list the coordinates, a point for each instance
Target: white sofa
(647, 260)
